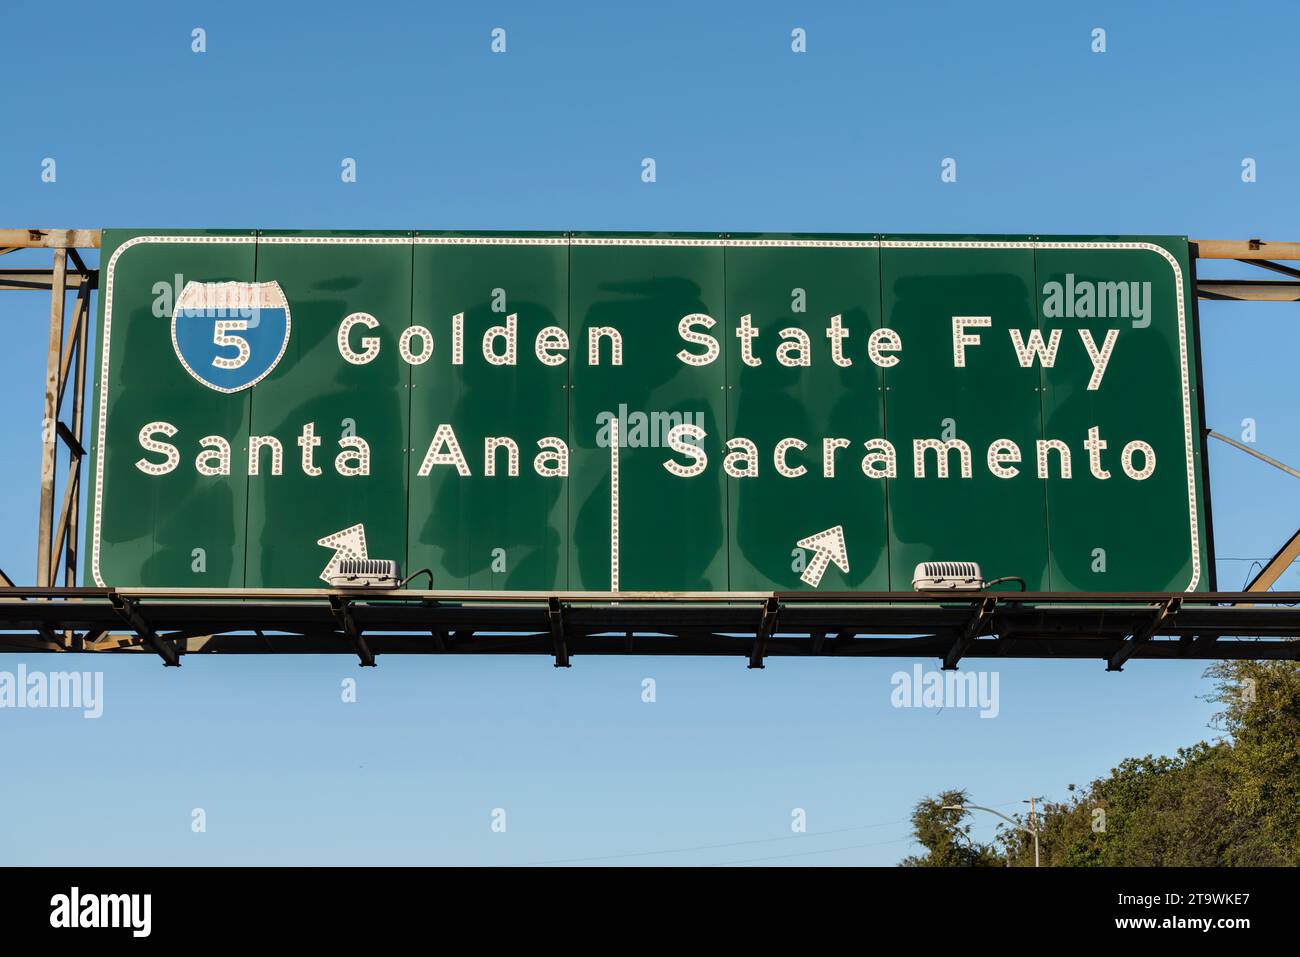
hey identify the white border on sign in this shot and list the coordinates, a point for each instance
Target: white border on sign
(1189, 445)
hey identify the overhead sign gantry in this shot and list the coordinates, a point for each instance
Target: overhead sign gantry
(703, 444)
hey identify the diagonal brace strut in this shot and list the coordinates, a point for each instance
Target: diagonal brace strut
(342, 609)
(129, 611)
(1163, 617)
(978, 622)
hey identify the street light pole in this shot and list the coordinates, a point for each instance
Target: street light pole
(1014, 823)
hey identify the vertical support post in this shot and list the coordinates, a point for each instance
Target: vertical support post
(45, 573)
(82, 329)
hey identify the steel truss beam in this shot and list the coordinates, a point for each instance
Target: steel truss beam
(1279, 563)
(1252, 252)
(17, 279)
(1111, 627)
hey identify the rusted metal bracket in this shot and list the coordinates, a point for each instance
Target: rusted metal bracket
(1163, 617)
(21, 280)
(766, 628)
(1245, 249)
(555, 615)
(50, 238)
(979, 621)
(342, 610)
(128, 609)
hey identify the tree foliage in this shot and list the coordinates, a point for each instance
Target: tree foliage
(1230, 802)
(945, 834)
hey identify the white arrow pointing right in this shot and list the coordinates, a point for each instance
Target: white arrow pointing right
(827, 547)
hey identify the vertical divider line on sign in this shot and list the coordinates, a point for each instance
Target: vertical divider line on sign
(614, 441)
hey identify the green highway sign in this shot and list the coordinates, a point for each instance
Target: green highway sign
(601, 411)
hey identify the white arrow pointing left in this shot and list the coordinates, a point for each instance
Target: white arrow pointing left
(349, 543)
(827, 547)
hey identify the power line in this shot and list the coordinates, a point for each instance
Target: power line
(762, 840)
(714, 847)
(828, 850)
(1219, 558)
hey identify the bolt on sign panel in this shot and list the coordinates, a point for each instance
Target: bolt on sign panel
(600, 411)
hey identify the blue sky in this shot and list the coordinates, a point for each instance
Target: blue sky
(1049, 137)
